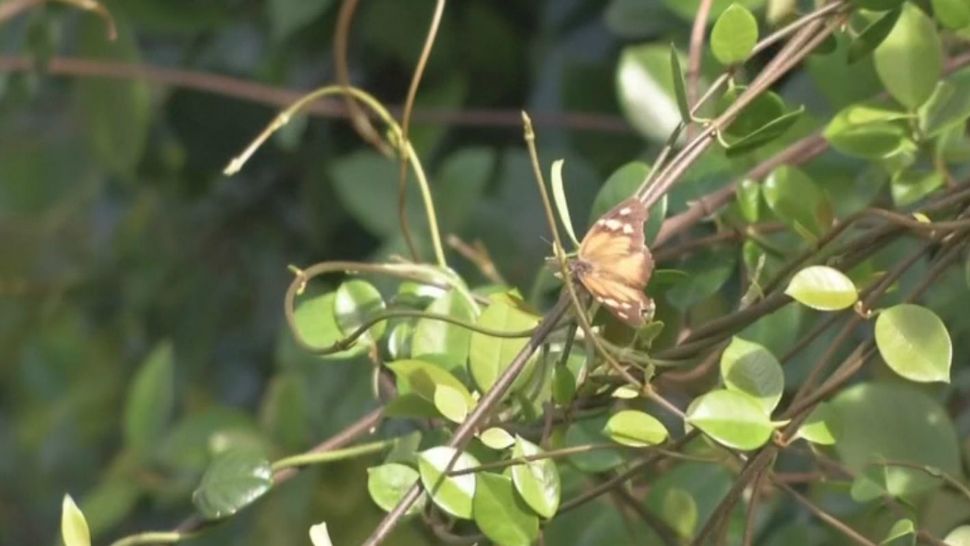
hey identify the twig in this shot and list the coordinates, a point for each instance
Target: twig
(829, 519)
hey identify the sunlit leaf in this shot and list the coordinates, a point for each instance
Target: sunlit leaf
(821, 427)
(319, 535)
(750, 368)
(734, 35)
(451, 402)
(915, 343)
(646, 90)
(910, 60)
(559, 197)
(74, 528)
(823, 288)
(489, 356)
(536, 481)
(355, 303)
(316, 324)
(635, 428)
(501, 514)
(496, 438)
(388, 483)
(959, 536)
(732, 418)
(452, 494)
(443, 338)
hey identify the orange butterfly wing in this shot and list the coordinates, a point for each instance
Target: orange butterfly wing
(615, 265)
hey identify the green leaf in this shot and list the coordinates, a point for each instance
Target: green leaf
(501, 514)
(751, 369)
(706, 271)
(635, 428)
(821, 427)
(443, 338)
(367, 185)
(896, 422)
(871, 36)
(496, 438)
(959, 536)
(536, 481)
(234, 480)
(732, 418)
(902, 528)
(679, 509)
(868, 130)
(646, 90)
(285, 412)
(948, 106)
(953, 14)
(489, 356)
(734, 35)
(316, 324)
(388, 483)
(590, 431)
(910, 60)
(680, 88)
(424, 379)
(288, 16)
(451, 403)
(115, 113)
(797, 201)
(151, 399)
(910, 186)
(764, 134)
(914, 343)
(748, 198)
(74, 528)
(823, 288)
(357, 301)
(562, 204)
(452, 494)
(687, 9)
(319, 535)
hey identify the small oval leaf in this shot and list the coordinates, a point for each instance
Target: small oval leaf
(453, 494)
(319, 535)
(496, 438)
(959, 536)
(635, 428)
(910, 60)
(488, 356)
(914, 343)
(443, 338)
(732, 418)
(235, 479)
(316, 325)
(451, 402)
(752, 369)
(823, 288)
(734, 35)
(821, 427)
(388, 483)
(537, 481)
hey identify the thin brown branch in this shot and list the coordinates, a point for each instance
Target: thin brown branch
(358, 117)
(827, 518)
(406, 125)
(696, 52)
(278, 97)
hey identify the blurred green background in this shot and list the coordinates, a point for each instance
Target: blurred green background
(122, 242)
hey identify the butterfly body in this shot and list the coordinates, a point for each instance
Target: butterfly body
(614, 264)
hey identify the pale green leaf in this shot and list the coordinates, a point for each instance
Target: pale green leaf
(914, 342)
(536, 481)
(635, 428)
(823, 288)
(501, 515)
(734, 35)
(752, 369)
(74, 528)
(453, 494)
(910, 60)
(731, 418)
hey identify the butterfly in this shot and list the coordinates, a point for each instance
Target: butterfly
(614, 264)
